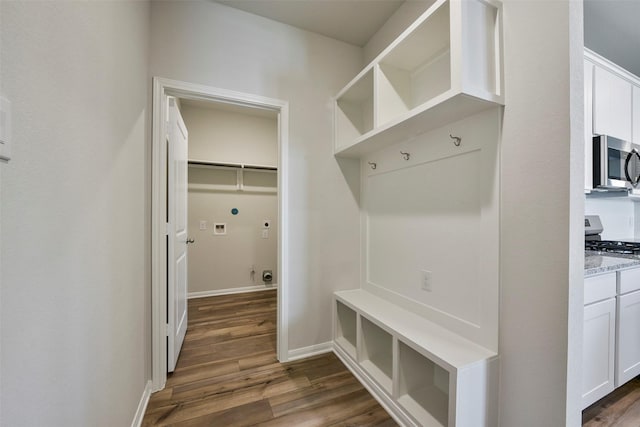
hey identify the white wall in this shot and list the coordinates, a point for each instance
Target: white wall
(421, 216)
(404, 16)
(542, 211)
(1, 166)
(220, 135)
(75, 278)
(617, 215)
(223, 262)
(211, 44)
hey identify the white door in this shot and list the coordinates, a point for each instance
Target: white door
(177, 139)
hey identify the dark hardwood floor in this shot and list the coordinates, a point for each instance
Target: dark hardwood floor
(228, 375)
(620, 408)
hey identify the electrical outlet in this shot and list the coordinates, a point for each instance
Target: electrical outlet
(426, 281)
(265, 233)
(203, 225)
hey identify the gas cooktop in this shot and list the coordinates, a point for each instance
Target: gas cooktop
(613, 246)
(593, 241)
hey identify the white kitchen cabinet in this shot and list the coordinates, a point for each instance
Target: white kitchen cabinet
(628, 338)
(611, 104)
(599, 337)
(598, 361)
(628, 326)
(636, 115)
(588, 124)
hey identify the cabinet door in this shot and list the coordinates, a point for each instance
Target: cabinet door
(628, 338)
(636, 115)
(598, 347)
(611, 104)
(588, 125)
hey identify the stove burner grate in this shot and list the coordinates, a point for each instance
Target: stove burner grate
(627, 248)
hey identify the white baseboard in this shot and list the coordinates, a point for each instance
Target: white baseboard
(312, 350)
(142, 406)
(230, 291)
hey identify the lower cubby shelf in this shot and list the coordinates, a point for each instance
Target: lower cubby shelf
(423, 387)
(345, 335)
(376, 355)
(423, 374)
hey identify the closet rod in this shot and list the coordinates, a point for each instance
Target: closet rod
(231, 165)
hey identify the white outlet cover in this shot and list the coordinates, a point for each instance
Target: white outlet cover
(426, 281)
(203, 225)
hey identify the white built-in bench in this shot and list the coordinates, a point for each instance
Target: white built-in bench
(422, 373)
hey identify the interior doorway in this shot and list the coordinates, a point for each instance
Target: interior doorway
(193, 95)
(232, 198)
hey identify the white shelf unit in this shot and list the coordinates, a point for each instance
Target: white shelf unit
(422, 373)
(224, 176)
(446, 66)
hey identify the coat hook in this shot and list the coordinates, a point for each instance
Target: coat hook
(456, 140)
(405, 155)
(373, 165)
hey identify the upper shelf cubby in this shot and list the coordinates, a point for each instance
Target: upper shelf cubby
(354, 110)
(446, 66)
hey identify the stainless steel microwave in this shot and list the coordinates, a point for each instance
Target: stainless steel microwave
(616, 164)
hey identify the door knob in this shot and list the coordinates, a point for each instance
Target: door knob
(190, 241)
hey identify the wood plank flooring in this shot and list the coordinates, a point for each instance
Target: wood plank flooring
(619, 409)
(228, 375)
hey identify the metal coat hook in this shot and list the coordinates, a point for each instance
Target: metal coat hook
(456, 140)
(405, 155)
(373, 165)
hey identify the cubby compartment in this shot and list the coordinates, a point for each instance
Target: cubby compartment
(444, 67)
(260, 180)
(423, 388)
(354, 111)
(376, 356)
(417, 69)
(346, 329)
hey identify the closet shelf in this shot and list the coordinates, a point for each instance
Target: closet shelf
(229, 165)
(446, 66)
(232, 177)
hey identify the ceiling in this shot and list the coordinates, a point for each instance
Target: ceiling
(352, 21)
(612, 29)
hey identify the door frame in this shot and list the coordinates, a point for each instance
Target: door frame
(162, 88)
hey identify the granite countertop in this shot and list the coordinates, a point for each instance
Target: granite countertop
(598, 262)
